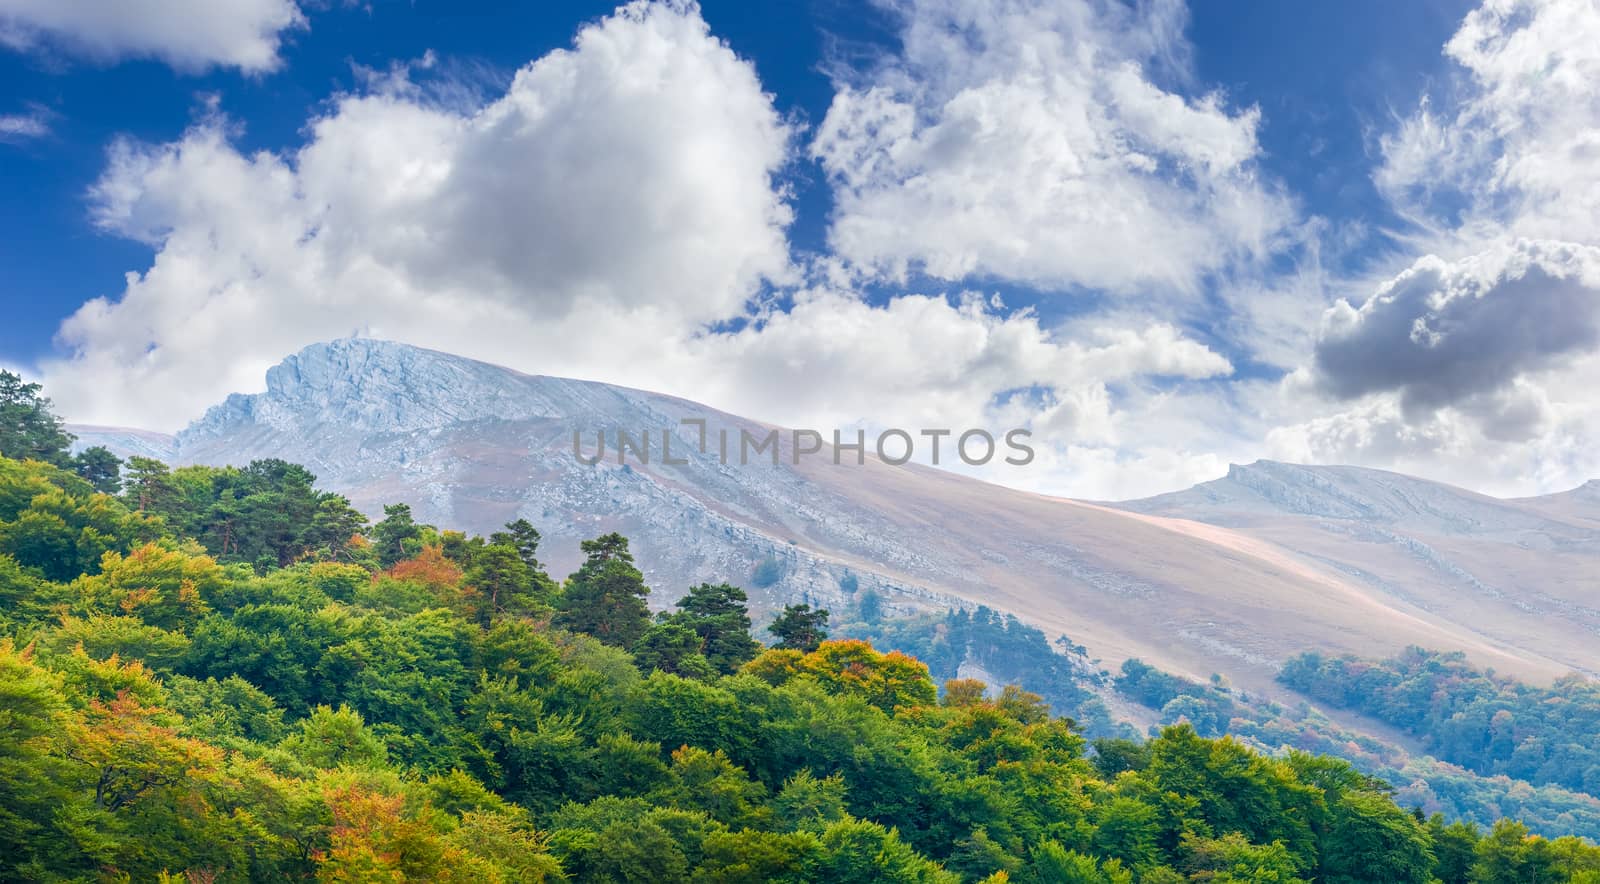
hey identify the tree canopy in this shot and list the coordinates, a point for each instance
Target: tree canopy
(260, 702)
(800, 627)
(29, 429)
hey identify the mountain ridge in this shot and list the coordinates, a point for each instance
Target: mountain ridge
(1230, 576)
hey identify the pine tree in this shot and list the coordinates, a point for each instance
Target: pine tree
(606, 597)
(800, 628)
(717, 614)
(100, 468)
(148, 483)
(391, 535)
(29, 430)
(522, 536)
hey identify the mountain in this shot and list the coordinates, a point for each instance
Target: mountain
(1580, 505)
(125, 442)
(1233, 576)
(1525, 572)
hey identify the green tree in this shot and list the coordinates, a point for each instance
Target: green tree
(100, 468)
(1232, 858)
(504, 581)
(333, 528)
(1126, 829)
(524, 538)
(28, 428)
(806, 802)
(606, 548)
(33, 788)
(800, 628)
(1114, 755)
(1053, 863)
(1508, 854)
(1455, 847)
(672, 647)
(396, 535)
(277, 503)
(639, 851)
(862, 852)
(336, 738)
(148, 485)
(605, 598)
(1373, 840)
(717, 614)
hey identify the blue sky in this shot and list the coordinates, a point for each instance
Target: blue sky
(1322, 74)
(1191, 210)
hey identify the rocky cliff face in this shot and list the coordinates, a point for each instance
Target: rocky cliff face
(377, 387)
(472, 446)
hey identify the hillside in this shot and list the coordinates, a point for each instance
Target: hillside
(1522, 572)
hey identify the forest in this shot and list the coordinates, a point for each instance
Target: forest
(1004, 647)
(1470, 717)
(1425, 781)
(226, 674)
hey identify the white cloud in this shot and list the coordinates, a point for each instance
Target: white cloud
(190, 35)
(600, 219)
(16, 128)
(1514, 149)
(834, 360)
(619, 194)
(1475, 365)
(1478, 372)
(1532, 437)
(1026, 140)
(1100, 426)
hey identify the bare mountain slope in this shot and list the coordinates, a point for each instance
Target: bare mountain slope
(1580, 506)
(1524, 572)
(1233, 578)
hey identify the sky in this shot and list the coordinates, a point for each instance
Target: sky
(1162, 238)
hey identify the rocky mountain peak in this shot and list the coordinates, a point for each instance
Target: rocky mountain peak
(377, 387)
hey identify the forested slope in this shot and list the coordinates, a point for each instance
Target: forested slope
(404, 703)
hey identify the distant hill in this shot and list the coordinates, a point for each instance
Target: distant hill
(1524, 571)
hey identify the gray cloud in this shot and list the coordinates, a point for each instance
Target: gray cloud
(1450, 334)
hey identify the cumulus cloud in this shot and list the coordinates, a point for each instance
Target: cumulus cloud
(1028, 141)
(190, 35)
(1098, 396)
(1475, 365)
(625, 187)
(921, 360)
(1477, 371)
(1525, 439)
(616, 214)
(1442, 333)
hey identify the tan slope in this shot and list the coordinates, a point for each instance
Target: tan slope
(1191, 597)
(1521, 574)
